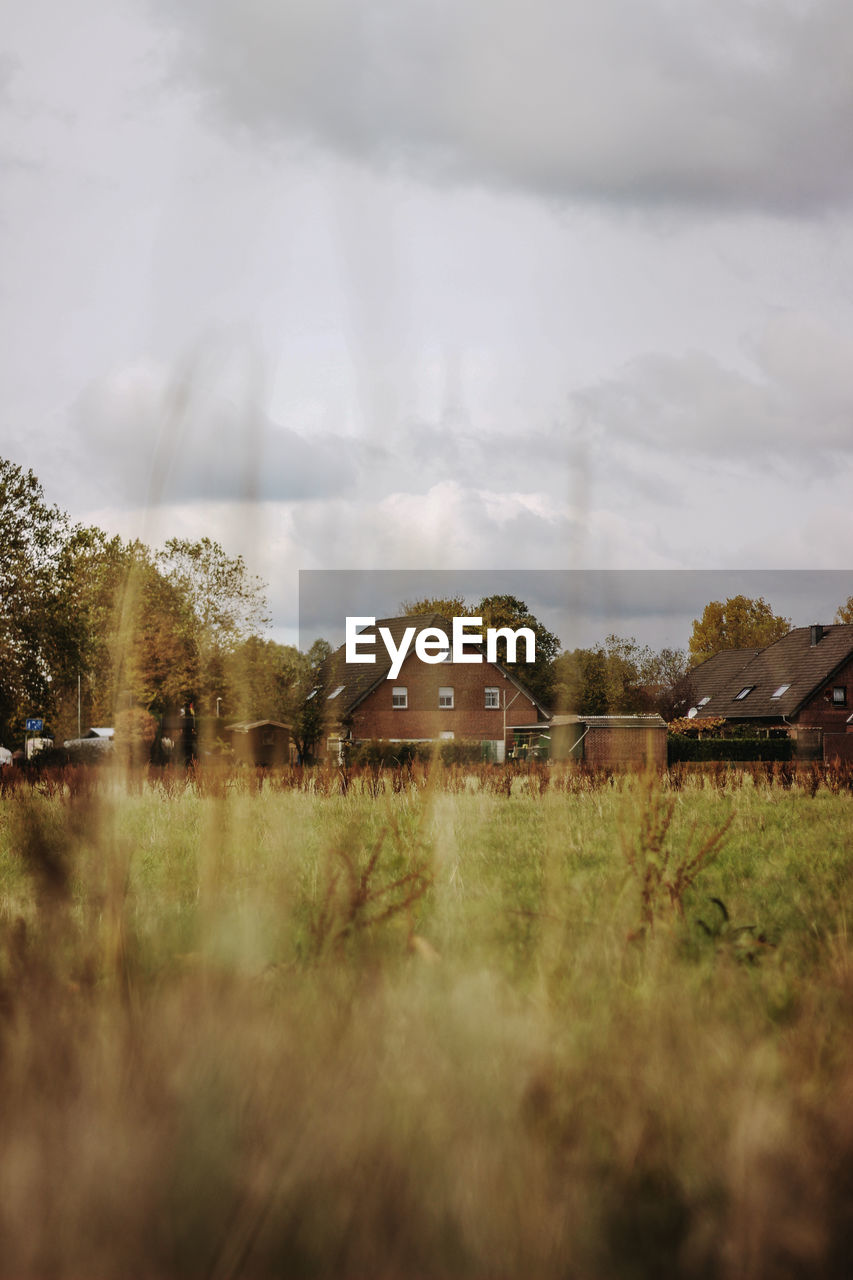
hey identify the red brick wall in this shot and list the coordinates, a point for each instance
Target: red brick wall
(468, 718)
(837, 746)
(625, 746)
(821, 711)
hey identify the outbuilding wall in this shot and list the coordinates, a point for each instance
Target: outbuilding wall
(626, 747)
(837, 746)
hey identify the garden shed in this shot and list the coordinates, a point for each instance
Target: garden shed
(260, 742)
(635, 741)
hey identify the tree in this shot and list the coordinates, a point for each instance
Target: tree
(580, 683)
(670, 683)
(621, 677)
(261, 680)
(844, 613)
(737, 623)
(226, 603)
(448, 606)
(140, 648)
(309, 722)
(509, 611)
(40, 637)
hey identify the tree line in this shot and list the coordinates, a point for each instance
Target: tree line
(124, 627)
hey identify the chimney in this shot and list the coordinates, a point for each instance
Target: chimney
(816, 634)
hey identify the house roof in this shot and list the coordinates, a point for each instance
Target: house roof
(349, 683)
(245, 726)
(780, 679)
(642, 720)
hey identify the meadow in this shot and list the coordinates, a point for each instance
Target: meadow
(426, 1024)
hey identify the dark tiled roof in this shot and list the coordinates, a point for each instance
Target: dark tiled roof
(793, 661)
(356, 680)
(713, 678)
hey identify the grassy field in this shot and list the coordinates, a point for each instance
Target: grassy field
(595, 1027)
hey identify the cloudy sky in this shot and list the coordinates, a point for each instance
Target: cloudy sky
(405, 284)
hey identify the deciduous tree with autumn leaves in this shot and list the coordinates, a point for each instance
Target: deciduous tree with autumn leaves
(737, 623)
(129, 627)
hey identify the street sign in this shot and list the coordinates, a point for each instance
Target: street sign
(35, 726)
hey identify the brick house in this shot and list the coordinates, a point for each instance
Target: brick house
(801, 685)
(481, 702)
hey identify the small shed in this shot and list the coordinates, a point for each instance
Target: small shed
(635, 741)
(260, 742)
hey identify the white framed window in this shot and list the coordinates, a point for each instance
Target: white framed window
(445, 698)
(839, 695)
(399, 697)
(783, 688)
(339, 689)
(744, 693)
(446, 736)
(703, 701)
(493, 699)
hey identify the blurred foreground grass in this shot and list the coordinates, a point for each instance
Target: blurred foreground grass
(252, 1030)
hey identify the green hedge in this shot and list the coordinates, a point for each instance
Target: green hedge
(680, 747)
(389, 755)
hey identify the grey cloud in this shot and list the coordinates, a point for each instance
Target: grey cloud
(791, 410)
(156, 438)
(151, 444)
(723, 104)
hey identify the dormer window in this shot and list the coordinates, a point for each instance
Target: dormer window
(744, 693)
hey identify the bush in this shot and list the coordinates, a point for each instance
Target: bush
(453, 751)
(381, 754)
